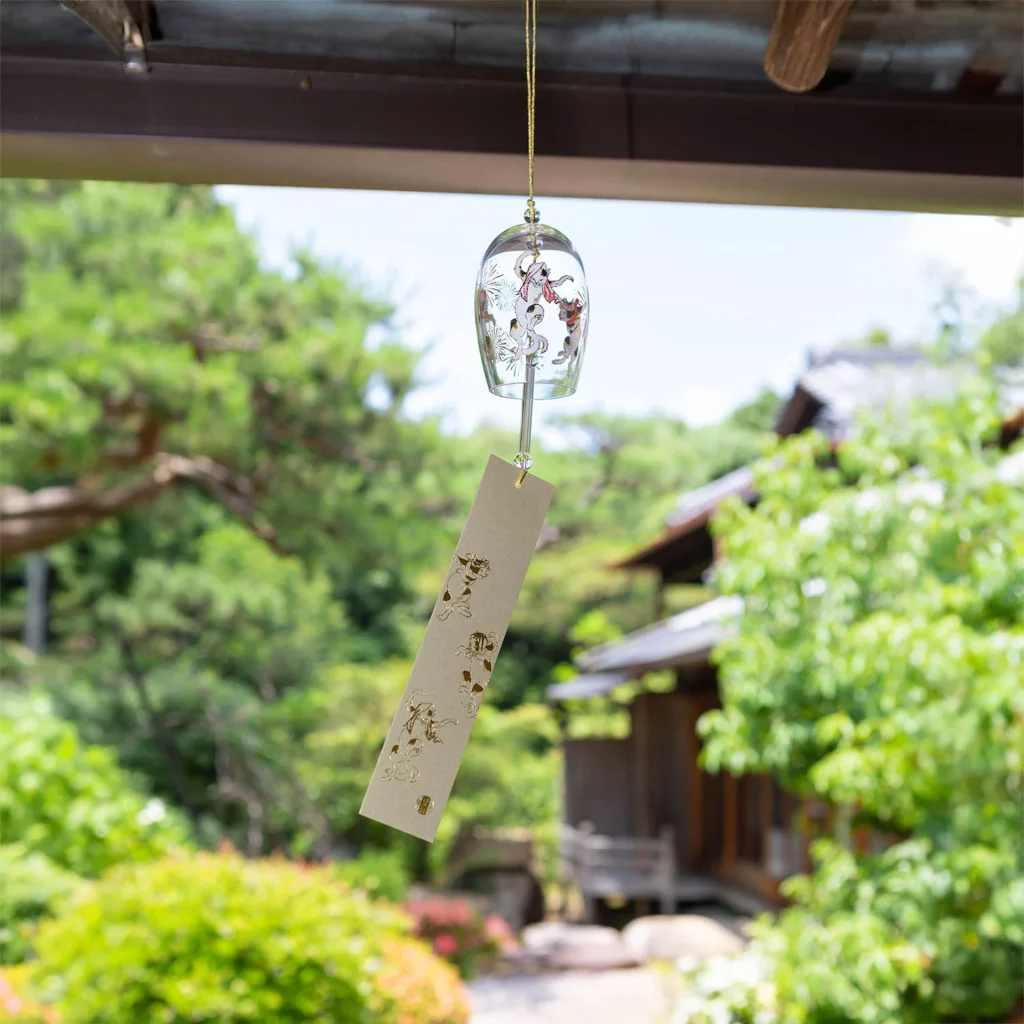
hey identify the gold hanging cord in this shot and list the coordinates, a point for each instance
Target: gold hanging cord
(523, 459)
(531, 96)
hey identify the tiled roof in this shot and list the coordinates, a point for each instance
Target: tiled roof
(682, 639)
(595, 684)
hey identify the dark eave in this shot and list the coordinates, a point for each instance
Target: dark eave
(685, 550)
(641, 100)
(681, 554)
(798, 413)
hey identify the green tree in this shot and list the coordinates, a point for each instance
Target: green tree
(227, 511)
(1003, 342)
(192, 671)
(146, 348)
(762, 412)
(67, 811)
(878, 666)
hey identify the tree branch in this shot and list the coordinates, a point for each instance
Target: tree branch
(33, 521)
(160, 732)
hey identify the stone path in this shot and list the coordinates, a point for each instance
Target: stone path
(636, 995)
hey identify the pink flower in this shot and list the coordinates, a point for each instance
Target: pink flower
(499, 933)
(445, 945)
(436, 912)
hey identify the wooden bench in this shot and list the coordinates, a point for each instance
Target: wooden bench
(622, 866)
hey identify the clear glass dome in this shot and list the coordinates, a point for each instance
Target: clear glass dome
(532, 313)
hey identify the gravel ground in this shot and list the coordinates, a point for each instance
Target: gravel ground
(634, 996)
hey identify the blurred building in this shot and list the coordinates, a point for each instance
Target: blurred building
(725, 837)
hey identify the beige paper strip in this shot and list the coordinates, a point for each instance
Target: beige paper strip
(424, 747)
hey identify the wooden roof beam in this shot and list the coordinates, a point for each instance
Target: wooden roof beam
(803, 38)
(117, 25)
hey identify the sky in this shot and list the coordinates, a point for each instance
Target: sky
(695, 308)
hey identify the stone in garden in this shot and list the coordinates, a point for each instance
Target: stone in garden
(550, 935)
(668, 938)
(591, 958)
(577, 947)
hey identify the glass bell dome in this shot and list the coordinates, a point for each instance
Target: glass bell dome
(532, 313)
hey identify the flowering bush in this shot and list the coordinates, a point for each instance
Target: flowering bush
(425, 989)
(71, 802)
(723, 990)
(458, 932)
(18, 1008)
(219, 938)
(68, 810)
(877, 667)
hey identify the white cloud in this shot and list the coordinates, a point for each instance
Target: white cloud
(701, 406)
(986, 252)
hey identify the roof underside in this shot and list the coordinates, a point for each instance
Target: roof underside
(688, 638)
(830, 394)
(684, 639)
(920, 108)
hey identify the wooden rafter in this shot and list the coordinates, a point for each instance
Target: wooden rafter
(803, 37)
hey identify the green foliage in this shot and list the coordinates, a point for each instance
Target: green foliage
(1003, 342)
(607, 716)
(193, 674)
(71, 803)
(878, 666)
(381, 874)
(216, 937)
(760, 415)
(143, 329)
(918, 933)
(31, 885)
(878, 337)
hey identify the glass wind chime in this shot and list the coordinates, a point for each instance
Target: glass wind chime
(532, 313)
(532, 304)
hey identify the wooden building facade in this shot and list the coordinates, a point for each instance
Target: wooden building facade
(744, 832)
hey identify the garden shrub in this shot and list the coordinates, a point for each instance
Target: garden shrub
(457, 931)
(30, 885)
(381, 874)
(424, 988)
(70, 802)
(215, 937)
(16, 1007)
